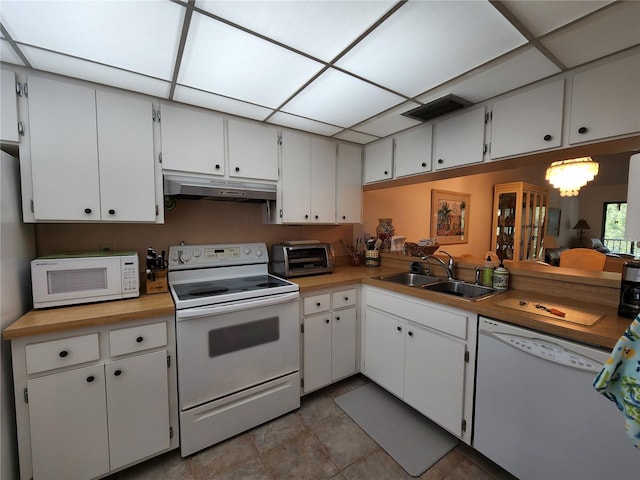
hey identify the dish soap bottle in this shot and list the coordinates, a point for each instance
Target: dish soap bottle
(487, 273)
(501, 277)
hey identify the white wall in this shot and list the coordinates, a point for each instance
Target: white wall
(17, 248)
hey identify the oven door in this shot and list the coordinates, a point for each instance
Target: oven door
(226, 348)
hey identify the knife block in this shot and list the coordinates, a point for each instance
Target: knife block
(159, 284)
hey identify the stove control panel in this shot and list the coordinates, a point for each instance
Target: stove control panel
(197, 256)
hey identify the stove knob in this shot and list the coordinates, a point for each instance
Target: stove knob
(246, 250)
(186, 257)
(196, 253)
(174, 256)
(259, 252)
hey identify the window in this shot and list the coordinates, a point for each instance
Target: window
(614, 218)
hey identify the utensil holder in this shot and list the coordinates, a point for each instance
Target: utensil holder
(372, 258)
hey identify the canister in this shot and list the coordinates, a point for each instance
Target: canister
(372, 258)
(501, 277)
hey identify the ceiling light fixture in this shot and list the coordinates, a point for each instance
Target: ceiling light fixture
(569, 176)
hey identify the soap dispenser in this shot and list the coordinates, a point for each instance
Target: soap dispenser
(487, 272)
(501, 277)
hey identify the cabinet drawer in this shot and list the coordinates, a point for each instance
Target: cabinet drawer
(61, 353)
(135, 339)
(445, 319)
(344, 298)
(317, 303)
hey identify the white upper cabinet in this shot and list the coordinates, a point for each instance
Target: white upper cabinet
(253, 150)
(459, 140)
(192, 140)
(413, 151)
(605, 101)
(64, 150)
(126, 160)
(8, 107)
(528, 121)
(90, 156)
(308, 187)
(378, 161)
(349, 184)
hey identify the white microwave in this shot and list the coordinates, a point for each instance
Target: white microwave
(69, 279)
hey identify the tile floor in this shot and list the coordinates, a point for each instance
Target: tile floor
(317, 441)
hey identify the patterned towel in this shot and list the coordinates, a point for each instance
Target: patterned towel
(619, 379)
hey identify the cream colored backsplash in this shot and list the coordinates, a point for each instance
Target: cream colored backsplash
(192, 221)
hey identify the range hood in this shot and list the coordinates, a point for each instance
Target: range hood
(211, 188)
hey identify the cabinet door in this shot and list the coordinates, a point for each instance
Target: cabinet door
(8, 107)
(413, 151)
(384, 351)
(528, 122)
(434, 377)
(317, 351)
(606, 101)
(126, 163)
(323, 181)
(378, 161)
(192, 140)
(349, 184)
(138, 407)
(343, 343)
(68, 420)
(296, 177)
(253, 151)
(459, 140)
(64, 150)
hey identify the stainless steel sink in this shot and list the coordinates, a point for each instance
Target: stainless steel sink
(410, 279)
(464, 290)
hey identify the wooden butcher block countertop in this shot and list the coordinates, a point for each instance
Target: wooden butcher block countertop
(604, 333)
(51, 320)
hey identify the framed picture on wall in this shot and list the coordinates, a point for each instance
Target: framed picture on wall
(553, 222)
(450, 217)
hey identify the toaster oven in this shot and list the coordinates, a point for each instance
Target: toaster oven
(294, 259)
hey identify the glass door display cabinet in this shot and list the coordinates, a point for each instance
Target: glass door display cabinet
(519, 216)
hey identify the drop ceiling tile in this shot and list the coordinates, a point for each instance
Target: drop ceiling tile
(606, 32)
(340, 99)
(390, 122)
(424, 44)
(94, 72)
(355, 137)
(514, 70)
(8, 54)
(219, 103)
(227, 61)
(138, 36)
(541, 20)
(319, 28)
(299, 123)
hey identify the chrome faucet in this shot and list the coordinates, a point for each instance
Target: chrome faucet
(449, 266)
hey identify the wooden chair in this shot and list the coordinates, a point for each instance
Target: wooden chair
(583, 258)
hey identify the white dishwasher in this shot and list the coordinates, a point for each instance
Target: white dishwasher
(537, 414)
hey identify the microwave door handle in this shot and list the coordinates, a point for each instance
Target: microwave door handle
(197, 312)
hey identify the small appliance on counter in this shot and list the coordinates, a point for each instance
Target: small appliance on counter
(74, 278)
(629, 306)
(297, 258)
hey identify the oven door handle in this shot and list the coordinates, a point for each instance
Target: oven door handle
(219, 309)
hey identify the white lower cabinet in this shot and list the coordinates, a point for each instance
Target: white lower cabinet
(84, 417)
(423, 353)
(329, 337)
